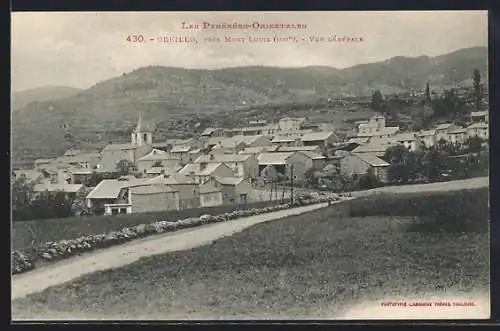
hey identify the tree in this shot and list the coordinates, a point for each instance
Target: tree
(51, 205)
(309, 179)
(476, 77)
(449, 105)
(432, 163)
(124, 167)
(396, 154)
(22, 193)
(427, 93)
(474, 144)
(404, 164)
(378, 103)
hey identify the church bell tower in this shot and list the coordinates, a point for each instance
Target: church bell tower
(141, 135)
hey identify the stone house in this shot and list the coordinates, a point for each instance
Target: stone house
(356, 165)
(201, 172)
(167, 160)
(321, 139)
(235, 190)
(187, 188)
(153, 198)
(210, 195)
(286, 161)
(243, 165)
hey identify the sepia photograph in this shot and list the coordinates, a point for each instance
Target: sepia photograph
(250, 166)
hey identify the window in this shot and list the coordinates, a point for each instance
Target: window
(145, 137)
(114, 211)
(123, 210)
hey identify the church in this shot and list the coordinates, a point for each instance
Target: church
(140, 145)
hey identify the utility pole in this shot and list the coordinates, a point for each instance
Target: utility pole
(291, 185)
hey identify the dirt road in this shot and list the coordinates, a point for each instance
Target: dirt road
(60, 272)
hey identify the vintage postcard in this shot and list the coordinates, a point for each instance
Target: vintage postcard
(250, 165)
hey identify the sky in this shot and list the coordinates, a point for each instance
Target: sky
(79, 49)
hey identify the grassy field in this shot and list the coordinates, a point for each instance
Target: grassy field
(27, 233)
(298, 267)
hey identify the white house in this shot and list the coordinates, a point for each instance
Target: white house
(480, 116)
(375, 127)
(409, 140)
(321, 139)
(243, 165)
(201, 172)
(283, 163)
(428, 137)
(210, 195)
(458, 135)
(290, 123)
(355, 165)
(478, 129)
(157, 156)
(443, 129)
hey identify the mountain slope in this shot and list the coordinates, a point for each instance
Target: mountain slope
(108, 110)
(23, 98)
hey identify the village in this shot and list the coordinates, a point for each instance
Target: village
(263, 161)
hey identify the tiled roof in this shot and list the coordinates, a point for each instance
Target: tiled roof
(197, 169)
(373, 160)
(404, 136)
(427, 133)
(444, 126)
(254, 150)
(296, 148)
(157, 155)
(218, 158)
(151, 189)
(315, 136)
(458, 131)
(120, 147)
(478, 126)
(360, 140)
(390, 130)
(110, 188)
(229, 180)
(231, 142)
(180, 149)
(313, 155)
(274, 158)
(371, 147)
(172, 179)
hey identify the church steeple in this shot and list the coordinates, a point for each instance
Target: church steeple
(140, 135)
(138, 128)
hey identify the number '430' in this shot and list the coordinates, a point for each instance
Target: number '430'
(135, 38)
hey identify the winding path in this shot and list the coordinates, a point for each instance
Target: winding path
(64, 271)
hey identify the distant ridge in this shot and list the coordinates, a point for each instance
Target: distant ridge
(42, 127)
(22, 98)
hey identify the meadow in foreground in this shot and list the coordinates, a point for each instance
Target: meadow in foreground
(307, 266)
